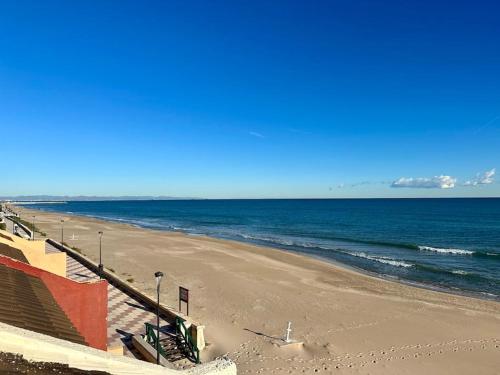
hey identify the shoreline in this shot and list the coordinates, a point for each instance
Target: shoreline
(389, 278)
(350, 322)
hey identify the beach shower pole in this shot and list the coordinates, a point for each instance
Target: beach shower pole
(158, 276)
(288, 330)
(100, 255)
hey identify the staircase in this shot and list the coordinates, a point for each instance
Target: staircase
(174, 346)
(173, 352)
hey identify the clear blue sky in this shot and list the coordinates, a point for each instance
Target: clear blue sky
(250, 99)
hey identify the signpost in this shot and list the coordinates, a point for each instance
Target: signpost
(184, 297)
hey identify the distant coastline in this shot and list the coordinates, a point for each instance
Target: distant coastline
(58, 199)
(85, 198)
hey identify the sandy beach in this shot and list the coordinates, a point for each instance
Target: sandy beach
(350, 323)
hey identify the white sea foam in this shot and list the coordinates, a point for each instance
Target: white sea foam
(460, 272)
(385, 260)
(446, 251)
(280, 241)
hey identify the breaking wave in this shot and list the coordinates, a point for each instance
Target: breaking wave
(446, 251)
(380, 259)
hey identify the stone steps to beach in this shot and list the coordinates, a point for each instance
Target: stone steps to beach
(173, 352)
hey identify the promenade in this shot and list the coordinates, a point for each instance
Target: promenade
(126, 315)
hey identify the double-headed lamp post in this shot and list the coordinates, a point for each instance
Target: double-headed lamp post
(158, 276)
(100, 255)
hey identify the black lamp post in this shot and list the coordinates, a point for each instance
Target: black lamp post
(158, 276)
(33, 228)
(100, 255)
(62, 232)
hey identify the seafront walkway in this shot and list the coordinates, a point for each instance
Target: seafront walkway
(10, 227)
(126, 315)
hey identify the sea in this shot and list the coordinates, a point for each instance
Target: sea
(445, 244)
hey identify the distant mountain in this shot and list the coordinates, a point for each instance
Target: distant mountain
(60, 198)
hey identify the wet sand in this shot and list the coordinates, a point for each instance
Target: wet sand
(350, 323)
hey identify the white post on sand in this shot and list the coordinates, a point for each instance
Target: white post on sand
(286, 341)
(288, 330)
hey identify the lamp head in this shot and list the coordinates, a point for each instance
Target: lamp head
(100, 233)
(158, 276)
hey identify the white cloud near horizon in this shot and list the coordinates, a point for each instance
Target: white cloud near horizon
(436, 182)
(484, 178)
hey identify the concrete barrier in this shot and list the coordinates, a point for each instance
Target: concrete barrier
(22, 226)
(37, 347)
(148, 351)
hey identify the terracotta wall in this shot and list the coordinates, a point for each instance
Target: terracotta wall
(85, 304)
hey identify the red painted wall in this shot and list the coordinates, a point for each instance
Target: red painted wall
(85, 304)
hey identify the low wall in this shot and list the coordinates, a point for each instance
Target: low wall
(37, 347)
(168, 315)
(85, 304)
(22, 226)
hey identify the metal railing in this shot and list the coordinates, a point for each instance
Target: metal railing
(152, 339)
(186, 339)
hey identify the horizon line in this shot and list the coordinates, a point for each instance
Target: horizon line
(65, 199)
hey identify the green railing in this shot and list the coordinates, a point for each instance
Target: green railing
(152, 339)
(184, 337)
(184, 340)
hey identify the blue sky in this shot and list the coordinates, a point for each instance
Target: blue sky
(250, 99)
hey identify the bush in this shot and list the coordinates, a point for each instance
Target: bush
(29, 226)
(3, 226)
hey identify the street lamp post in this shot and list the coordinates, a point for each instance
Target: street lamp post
(100, 255)
(62, 232)
(33, 229)
(158, 276)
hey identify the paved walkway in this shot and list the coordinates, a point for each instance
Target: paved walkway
(126, 315)
(9, 224)
(10, 228)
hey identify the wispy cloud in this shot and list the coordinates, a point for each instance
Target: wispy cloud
(484, 178)
(436, 182)
(361, 183)
(487, 124)
(299, 131)
(255, 134)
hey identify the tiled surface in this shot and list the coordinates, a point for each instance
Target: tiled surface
(126, 315)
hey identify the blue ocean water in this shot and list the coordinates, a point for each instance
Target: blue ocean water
(444, 243)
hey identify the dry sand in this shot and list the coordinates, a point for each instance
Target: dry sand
(350, 323)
